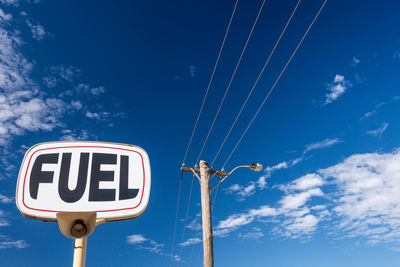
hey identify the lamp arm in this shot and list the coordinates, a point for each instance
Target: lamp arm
(234, 169)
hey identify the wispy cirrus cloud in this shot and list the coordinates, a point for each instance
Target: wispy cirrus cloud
(242, 192)
(3, 221)
(13, 244)
(296, 218)
(355, 61)
(25, 106)
(192, 70)
(235, 221)
(38, 31)
(6, 200)
(379, 131)
(328, 142)
(254, 234)
(336, 88)
(368, 202)
(396, 55)
(142, 242)
(190, 241)
(17, 2)
(363, 201)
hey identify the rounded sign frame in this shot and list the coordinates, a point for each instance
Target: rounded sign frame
(46, 204)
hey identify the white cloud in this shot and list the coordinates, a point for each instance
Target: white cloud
(305, 182)
(13, 244)
(195, 224)
(61, 73)
(296, 218)
(24, 112)
(253, 235)
(24, 106)
(17, 2)
(4, 223)
(295, 201)
(302, 225)
(368, 114)
(77, 104)
(4, 16)
(336, 88)
(368, 201)
(192, 70)
(190, 241)
(261, 182)
(242, 192)
(396, 55)
(73, 135)
(5, 200)
(363, 200)
(245, 191)
(100, 116)
(235, 221)
(135, 239)
(269, 170)
(354, 62)
(10, 2)
(322, 144)
(38, 31)
(148, 244)
(379, 131)
(98, 90)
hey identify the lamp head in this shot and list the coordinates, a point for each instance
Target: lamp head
(256, 167)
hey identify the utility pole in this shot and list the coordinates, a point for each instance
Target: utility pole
(208, 250)
(204, 179)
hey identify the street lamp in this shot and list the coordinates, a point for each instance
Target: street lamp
(253, 166)
(205, 171)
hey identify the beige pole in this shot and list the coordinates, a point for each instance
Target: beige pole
(208, 257)
(80, 252)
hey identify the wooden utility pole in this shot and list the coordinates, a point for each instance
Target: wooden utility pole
(208, 258)
(204, 179)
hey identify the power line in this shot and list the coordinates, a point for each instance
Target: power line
(277, 80)
(232, 77)
(197, 121)
(176, 219)
(211, 79)
(272, 88)
(186, 216)
(225, 94)
(256, 82)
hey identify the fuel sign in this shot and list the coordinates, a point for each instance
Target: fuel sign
(110, 179)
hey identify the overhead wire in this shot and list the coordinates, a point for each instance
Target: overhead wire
(197, 121)
(274, 85)
(256, 82)
(211, 80)
(231, 79)
(176, 219)
(265, 99)
(228, 88)
(186, 216)
(251, 92)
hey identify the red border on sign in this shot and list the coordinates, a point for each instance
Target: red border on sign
(27, 168)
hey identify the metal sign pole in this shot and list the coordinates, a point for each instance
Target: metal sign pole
(80, 252)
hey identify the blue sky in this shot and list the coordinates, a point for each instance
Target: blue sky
(136, 72)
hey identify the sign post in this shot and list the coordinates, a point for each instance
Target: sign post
(82, 184)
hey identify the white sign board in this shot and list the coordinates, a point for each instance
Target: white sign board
(110, 179)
